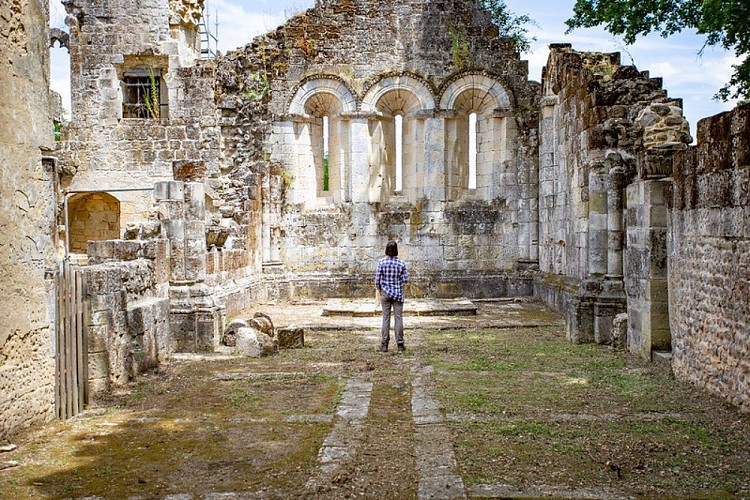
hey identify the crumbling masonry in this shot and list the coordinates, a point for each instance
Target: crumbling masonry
(187, 190)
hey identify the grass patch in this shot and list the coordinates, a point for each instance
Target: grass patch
(535, 409)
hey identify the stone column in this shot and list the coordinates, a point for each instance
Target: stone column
(611, 300)
(434, 157)
(614, 221)
(195, 320)
(360, 159)
(646, 255)
(597, 230)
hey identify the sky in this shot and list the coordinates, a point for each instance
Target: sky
(686, 75)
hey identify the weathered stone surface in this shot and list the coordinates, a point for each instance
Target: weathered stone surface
(709, 259)
(263, 322)
(189, 170)
(252, 215)
(290, 337)
(230, 332)
(619, 331)
(27, 216)
(254, 343)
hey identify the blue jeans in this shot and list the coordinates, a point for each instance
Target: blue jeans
(386, 301)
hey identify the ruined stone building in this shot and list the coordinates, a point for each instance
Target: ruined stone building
(187, 189)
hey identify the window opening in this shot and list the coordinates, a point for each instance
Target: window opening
(399, 131)
(473, 151)
(326, 173)
(142, 93)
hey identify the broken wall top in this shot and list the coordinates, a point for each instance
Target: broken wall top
(359, 41)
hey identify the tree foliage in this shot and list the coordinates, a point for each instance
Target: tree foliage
(724, 23)
(509, 24)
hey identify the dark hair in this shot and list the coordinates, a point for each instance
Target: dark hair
(391, 249)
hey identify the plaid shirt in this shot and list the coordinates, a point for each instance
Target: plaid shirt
(391, 276)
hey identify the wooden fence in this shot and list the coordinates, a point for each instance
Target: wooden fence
(71, 368)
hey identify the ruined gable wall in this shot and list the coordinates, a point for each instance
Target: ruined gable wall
(26, 218)
(709, 259)
(108, 151)
(356, 44)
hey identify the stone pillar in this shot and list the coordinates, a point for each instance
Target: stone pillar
(170, 202)
(434, 158)
(614, 222)
(601, 296)
(195, 320)
(597, 230)
(646, 268)
(360, 160)
(611, 301)
(344, 160)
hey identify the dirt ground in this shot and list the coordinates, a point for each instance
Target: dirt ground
(497, 405)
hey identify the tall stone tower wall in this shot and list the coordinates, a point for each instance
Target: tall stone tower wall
(27, 205)
(115, 143)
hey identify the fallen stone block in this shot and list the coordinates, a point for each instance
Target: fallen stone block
(619, 330)
(291, 338)
(229, 338)
(254, 344)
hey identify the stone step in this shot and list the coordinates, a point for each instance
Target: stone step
(413, 307)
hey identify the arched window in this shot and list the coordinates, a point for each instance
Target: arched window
(399, 146)
(395, 137)
(479, 137)
(472, 184)
(326, 167)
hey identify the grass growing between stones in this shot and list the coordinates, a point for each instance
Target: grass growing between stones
(529, 409)
(185, 431)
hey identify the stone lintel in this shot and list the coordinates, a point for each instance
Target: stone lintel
(435, 113)
(361, 115)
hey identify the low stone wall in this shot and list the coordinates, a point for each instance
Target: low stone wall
(128, 310)
(709, 259)
(226, 265)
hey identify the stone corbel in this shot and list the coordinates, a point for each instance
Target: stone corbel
(549, 100)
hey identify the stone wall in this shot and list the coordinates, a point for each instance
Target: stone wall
(27, 207)
(128, 331)
(274, 93)
(709, 259)
(597, 117)
(108, 150)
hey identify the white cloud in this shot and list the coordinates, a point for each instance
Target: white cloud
(237, 25)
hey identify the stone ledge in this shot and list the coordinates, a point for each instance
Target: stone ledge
(415, 307)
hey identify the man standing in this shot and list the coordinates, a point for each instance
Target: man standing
(389, 281)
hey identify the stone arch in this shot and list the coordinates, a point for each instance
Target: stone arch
(481, 136)
(484, 89)
(398, 82)
(92, 217)
(322, 84)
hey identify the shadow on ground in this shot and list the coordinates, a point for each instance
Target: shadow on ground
(521, 411)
